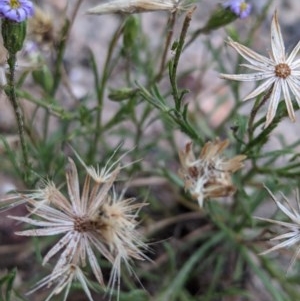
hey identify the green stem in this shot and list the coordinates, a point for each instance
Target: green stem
(171, 24)
(64, 37)
(11, 93)
(50, 105)
(174, 63)
(257, 105)
(58, 67)
(100, 88)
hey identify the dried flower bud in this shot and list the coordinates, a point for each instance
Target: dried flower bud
(41, 28)
(92, 223)
(210, 174)
(135, 6)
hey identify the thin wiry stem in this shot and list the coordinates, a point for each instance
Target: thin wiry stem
(11, 93)
(171, 23)
(100, 89)
(254, 111)
(174, 63)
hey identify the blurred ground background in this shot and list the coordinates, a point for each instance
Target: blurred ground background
(94, 32)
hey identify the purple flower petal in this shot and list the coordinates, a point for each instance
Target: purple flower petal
(241, 8)
(23, 11)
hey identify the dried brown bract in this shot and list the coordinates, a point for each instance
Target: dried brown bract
(93, 223)
(41, 27)
(290, 237)
(280, 72)
(209, 175)
(134, 6)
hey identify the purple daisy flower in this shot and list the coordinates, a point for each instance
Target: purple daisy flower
(241, 8)
(16, 10)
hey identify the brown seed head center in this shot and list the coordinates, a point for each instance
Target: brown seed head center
(193, 172)
(282, 70)
(82, 224)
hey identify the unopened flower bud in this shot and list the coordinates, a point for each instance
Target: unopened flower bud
(13, 34)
